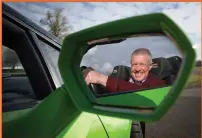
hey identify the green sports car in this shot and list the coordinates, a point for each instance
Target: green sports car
(38, 102)
(34, 78)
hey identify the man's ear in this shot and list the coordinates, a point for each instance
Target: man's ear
(150, 67)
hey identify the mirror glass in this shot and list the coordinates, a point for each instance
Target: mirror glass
(136, 70)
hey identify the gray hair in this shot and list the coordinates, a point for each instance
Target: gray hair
(143, 51)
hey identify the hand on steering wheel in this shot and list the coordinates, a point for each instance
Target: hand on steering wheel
(93, 87)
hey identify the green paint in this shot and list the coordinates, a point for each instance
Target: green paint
(70, 58)
(147, 98)
(46, 120)
(9, 116)
(86, 126)
(117, 127)
(97, 130)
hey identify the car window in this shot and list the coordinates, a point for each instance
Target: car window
(11, 63)
(51, 56)
(17, 92)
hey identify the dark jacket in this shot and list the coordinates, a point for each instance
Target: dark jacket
(117, 85)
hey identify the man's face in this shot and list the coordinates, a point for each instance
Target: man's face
(140, 67)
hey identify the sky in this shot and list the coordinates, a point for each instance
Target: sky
(82, 15)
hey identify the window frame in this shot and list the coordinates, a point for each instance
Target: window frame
(38, 62)
(33, 32)
(36, 38)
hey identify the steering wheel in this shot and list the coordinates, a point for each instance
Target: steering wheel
(92, 87)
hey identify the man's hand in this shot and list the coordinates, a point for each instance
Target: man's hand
(91, 76)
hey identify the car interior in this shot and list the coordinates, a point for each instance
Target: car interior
(21, 91)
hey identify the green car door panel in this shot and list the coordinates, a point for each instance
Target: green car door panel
(50, 117)
(86, 126)
(140, 99)
(117, 127)
(13, 115)
(56, 116)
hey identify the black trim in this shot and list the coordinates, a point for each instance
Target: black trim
(34, 39)
(103, 126)
(126, 107)
(48, 43)
(16, 38)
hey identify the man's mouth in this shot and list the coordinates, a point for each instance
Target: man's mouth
(138, 74)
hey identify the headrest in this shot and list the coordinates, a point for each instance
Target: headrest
(175, 62)
(161, 68)
(121, 72)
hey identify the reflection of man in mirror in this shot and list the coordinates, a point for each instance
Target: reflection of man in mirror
(141, 64)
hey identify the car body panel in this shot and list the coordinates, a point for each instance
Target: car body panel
(56, 116)
(87, 125)
(148, 98)
(50, 117)
(117, 127)
(12, 115)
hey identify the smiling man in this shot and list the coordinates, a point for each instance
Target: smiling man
(141, 64)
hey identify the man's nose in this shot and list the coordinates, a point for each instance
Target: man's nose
(138, 68)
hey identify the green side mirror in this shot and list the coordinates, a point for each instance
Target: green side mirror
(145, 102)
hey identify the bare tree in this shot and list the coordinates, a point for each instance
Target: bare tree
(57, 23)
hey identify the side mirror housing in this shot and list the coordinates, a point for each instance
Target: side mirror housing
(75, 46)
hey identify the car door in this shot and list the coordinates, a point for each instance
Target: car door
(28, 82)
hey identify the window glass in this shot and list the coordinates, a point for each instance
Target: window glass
(11, 63)
(51, 56)
(17, 92)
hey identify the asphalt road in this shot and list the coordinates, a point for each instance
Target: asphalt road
(183, 119)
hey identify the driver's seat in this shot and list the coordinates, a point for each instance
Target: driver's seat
(162, 69)
(122, 72)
